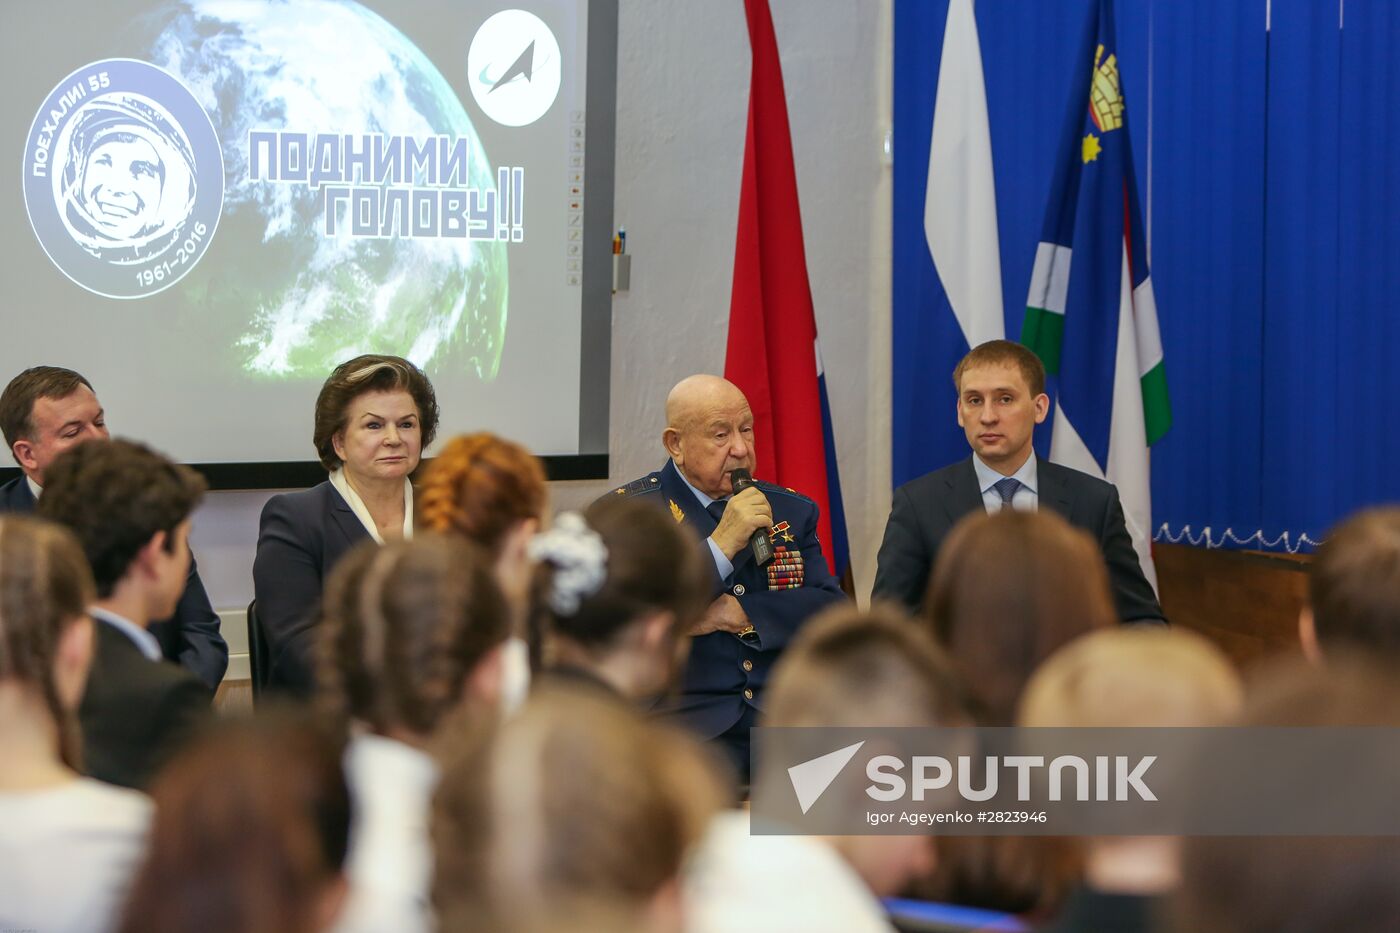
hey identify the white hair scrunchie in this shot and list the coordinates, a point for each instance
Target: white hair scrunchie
(579, 557)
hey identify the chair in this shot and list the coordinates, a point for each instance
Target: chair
(259, 659)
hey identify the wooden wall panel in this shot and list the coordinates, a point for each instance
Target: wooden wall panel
(1245, 601)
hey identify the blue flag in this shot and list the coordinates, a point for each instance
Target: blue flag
(1094, 322)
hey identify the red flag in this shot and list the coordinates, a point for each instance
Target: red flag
(772, 351)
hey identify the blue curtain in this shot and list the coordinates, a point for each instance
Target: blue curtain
(1269, 162)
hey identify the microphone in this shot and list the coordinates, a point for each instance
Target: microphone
(759, 544)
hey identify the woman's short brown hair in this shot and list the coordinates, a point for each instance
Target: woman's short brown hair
(1007, 591)
(45, 586)
(478, 486)
(403, 626)
(369, 373)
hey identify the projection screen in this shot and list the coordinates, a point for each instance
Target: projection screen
(214, 202)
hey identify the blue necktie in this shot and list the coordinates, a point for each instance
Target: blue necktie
(716, 509)
(1006, 488)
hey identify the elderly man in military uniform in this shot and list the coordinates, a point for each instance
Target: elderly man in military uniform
(757, 609)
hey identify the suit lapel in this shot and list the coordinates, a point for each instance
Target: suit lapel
(17, 497)
(344, 517)
(1054, 492)
(964, 496)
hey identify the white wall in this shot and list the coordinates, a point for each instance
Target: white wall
(683, 76)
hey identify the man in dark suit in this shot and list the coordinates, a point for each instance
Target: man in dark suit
(44, 411)
(130, 510)
(1001, 398)
(756, 609)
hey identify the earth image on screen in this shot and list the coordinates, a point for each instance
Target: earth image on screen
(305, 301)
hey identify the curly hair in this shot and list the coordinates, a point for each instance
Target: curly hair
(369, 373)
(45, 586)
(115, 495)
(478, 487)
(403, 626)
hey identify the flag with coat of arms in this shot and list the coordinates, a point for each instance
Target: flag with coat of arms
(1094, 321)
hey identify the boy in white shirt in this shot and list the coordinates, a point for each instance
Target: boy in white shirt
(851, 669)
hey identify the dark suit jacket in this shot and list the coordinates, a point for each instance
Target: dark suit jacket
(725, 673)
(135, 712)
(926, 509)
(301, 537)
(191, 636)
(1087, 910)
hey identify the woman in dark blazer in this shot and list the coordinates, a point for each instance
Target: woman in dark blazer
(374, 416)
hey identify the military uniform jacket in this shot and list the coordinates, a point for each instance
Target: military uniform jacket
(726, 673)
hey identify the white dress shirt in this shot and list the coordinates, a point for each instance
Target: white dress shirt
(736, 881)
(341, 482)
(724, 565)
(67, 855)
(1026, 498)
(390, 863)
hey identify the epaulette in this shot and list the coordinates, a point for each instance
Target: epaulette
(785, 490)
(640, 487)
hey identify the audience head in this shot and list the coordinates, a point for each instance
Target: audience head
(709, 433)
(130, 508)
(411, 632)
(616, 590)
(1133, 678)
(576, 806)
(250, 834)
(482, 487)
(44, 411)
(1001, 398)
(1007, 591)
(45, 633)
(1354, 588)
(490, 491)
(873, 669)
(374, 416)
(1281, 884)
(852, 668)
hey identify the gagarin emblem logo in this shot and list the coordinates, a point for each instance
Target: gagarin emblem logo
(123, 178)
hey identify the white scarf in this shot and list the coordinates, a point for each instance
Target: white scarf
(357, 505)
